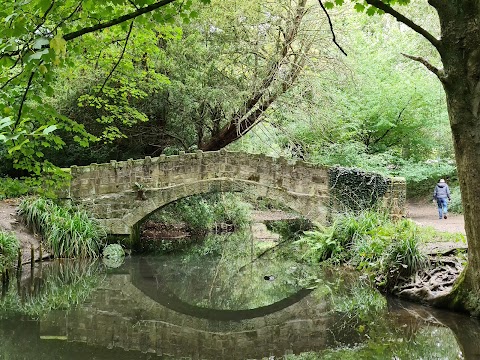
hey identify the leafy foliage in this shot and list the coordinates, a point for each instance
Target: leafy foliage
(40, 37)
(375, 110)
(455, 204)
(202, 213)
(11, 188)
(370, 242)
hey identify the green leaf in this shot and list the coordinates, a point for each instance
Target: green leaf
(38, 55)
(359, 7)
(339, 2)
(371, 11)
(6, 121)
(329, 5)
(40, 43)
(49, 129)
(59, 44)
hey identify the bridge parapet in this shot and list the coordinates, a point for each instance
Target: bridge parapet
(121, 194)
(164, 171)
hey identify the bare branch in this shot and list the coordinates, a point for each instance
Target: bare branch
(439, 72)
(77, 8)
(27, 88)
(399, 120)
(11, 79)
(133, 4)
(119, 59)
(403, 19)
(331, 27)
(44, 17)
(119, 20)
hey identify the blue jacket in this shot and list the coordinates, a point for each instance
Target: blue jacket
(441, 191)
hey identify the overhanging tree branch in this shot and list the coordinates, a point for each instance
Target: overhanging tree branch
(27, 88)
(439, 72)
(331, 27)
(119, 20)
(403, 19)
(119, 58)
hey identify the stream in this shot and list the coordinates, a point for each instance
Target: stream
(205, 304)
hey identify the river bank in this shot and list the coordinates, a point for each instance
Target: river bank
(445, 257)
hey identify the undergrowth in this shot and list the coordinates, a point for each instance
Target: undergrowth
(202, 213)
(369, 241)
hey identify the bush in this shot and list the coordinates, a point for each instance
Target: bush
(230, 209)
(13, 188)
(370, 242)
(67, 231)
(403, 256)
(456, 205)
(201, 213)
(198, 214)
(422, 177)
(9, 246)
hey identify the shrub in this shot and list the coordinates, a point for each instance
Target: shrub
(67, 231)
(113, 255)
(9, 246)
(13, 188)
(198, 214)
(369, 241)
(422, 177)
(229, 208)
(322, 244)
(455, 205)
(403, 257)
(201, 213)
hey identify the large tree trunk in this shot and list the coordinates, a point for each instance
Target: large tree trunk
(460, 51)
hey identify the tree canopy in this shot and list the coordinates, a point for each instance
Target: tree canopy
(38, 38)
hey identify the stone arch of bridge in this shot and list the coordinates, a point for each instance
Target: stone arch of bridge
(310, 206)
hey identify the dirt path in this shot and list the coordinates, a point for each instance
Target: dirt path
(425, 214)
(9, 222)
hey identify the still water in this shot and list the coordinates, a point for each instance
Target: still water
(200, 307)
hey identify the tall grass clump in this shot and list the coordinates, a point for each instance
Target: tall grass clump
(9, 246)
(66, 230)
(369, 241)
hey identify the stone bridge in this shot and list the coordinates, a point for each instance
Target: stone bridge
(121, 194)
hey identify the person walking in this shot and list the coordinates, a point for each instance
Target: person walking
(441, 195)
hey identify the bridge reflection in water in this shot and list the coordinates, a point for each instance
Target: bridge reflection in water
(151, 309)
(136, 311)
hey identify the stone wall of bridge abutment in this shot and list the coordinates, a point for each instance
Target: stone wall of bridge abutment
(121, 194)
